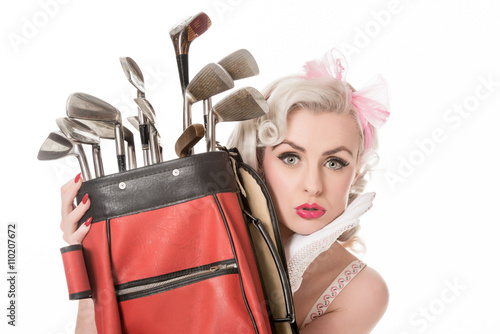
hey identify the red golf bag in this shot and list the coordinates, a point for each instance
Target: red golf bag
(175, 248)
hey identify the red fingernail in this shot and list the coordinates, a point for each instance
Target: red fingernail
(85, 198)
(87, 222)
(77, 178)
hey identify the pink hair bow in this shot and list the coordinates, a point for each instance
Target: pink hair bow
(371, 101)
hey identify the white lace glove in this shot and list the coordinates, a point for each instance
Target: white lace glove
(301, 250)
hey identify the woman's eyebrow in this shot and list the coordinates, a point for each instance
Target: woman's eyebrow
(338, 149)
(301, 149)
(295, 146)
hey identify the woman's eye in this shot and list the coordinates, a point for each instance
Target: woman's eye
(336, 164)
(289, 159)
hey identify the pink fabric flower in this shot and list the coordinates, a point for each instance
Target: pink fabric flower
(371, 101)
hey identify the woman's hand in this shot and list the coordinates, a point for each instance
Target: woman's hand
(71, 215)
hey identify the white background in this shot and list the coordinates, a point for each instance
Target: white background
(433, 231)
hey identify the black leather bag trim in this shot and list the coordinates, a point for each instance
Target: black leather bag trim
(160, 185)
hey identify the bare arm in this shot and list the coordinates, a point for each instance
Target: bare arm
(357, 309)
(70, 216)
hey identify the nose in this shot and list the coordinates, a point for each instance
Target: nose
(312, 181)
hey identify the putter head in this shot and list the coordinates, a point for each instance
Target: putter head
(241, 105)
(133, 73)
(85, 106)
(77, 131)
(188, 139)
(147, 109)
(240, 64)
(105, 130)
(211, 80)
(184, 32)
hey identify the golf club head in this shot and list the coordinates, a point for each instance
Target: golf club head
(104, 130)
(58, 146)
(240, 64)
(133, 73)
(209, 81)
(187, 30)
(86, 106)
(77, 131)
(188, 139)
(147, 109)
(182, 34)
(241, 105)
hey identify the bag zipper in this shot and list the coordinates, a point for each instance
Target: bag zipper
(154, 285)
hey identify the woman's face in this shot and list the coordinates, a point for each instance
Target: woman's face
(310, 173)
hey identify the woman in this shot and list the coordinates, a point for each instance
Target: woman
(313, 150)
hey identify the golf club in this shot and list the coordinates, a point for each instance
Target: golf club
(85, 106)
(211, 80)
(182, 34)
(135, 77)
(243, 104)
(57, 146)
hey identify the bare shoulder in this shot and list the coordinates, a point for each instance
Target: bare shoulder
(357, 309)
(363, 301)
(368, 291)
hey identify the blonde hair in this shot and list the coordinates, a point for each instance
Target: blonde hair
(292, 93)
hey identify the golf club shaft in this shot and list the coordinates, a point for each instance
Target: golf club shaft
(120, 148)
(82, 160)
(98, 165)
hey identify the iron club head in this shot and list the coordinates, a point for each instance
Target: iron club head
(241, 105)
(58, 146)
(85, 106)
(211, 80)
(82, 134)
(133, 73)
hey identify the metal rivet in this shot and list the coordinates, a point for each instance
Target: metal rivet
(175, 172)
(122, 185)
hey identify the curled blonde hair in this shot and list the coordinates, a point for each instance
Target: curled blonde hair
(292, 93)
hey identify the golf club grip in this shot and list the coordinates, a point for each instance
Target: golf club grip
(144, 132)
(182, 65)
(122, 164)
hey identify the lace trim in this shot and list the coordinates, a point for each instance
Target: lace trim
(333, 290)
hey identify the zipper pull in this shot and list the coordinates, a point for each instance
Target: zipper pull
(218, 267)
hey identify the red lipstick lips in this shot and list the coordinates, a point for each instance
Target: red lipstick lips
(310, 211)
